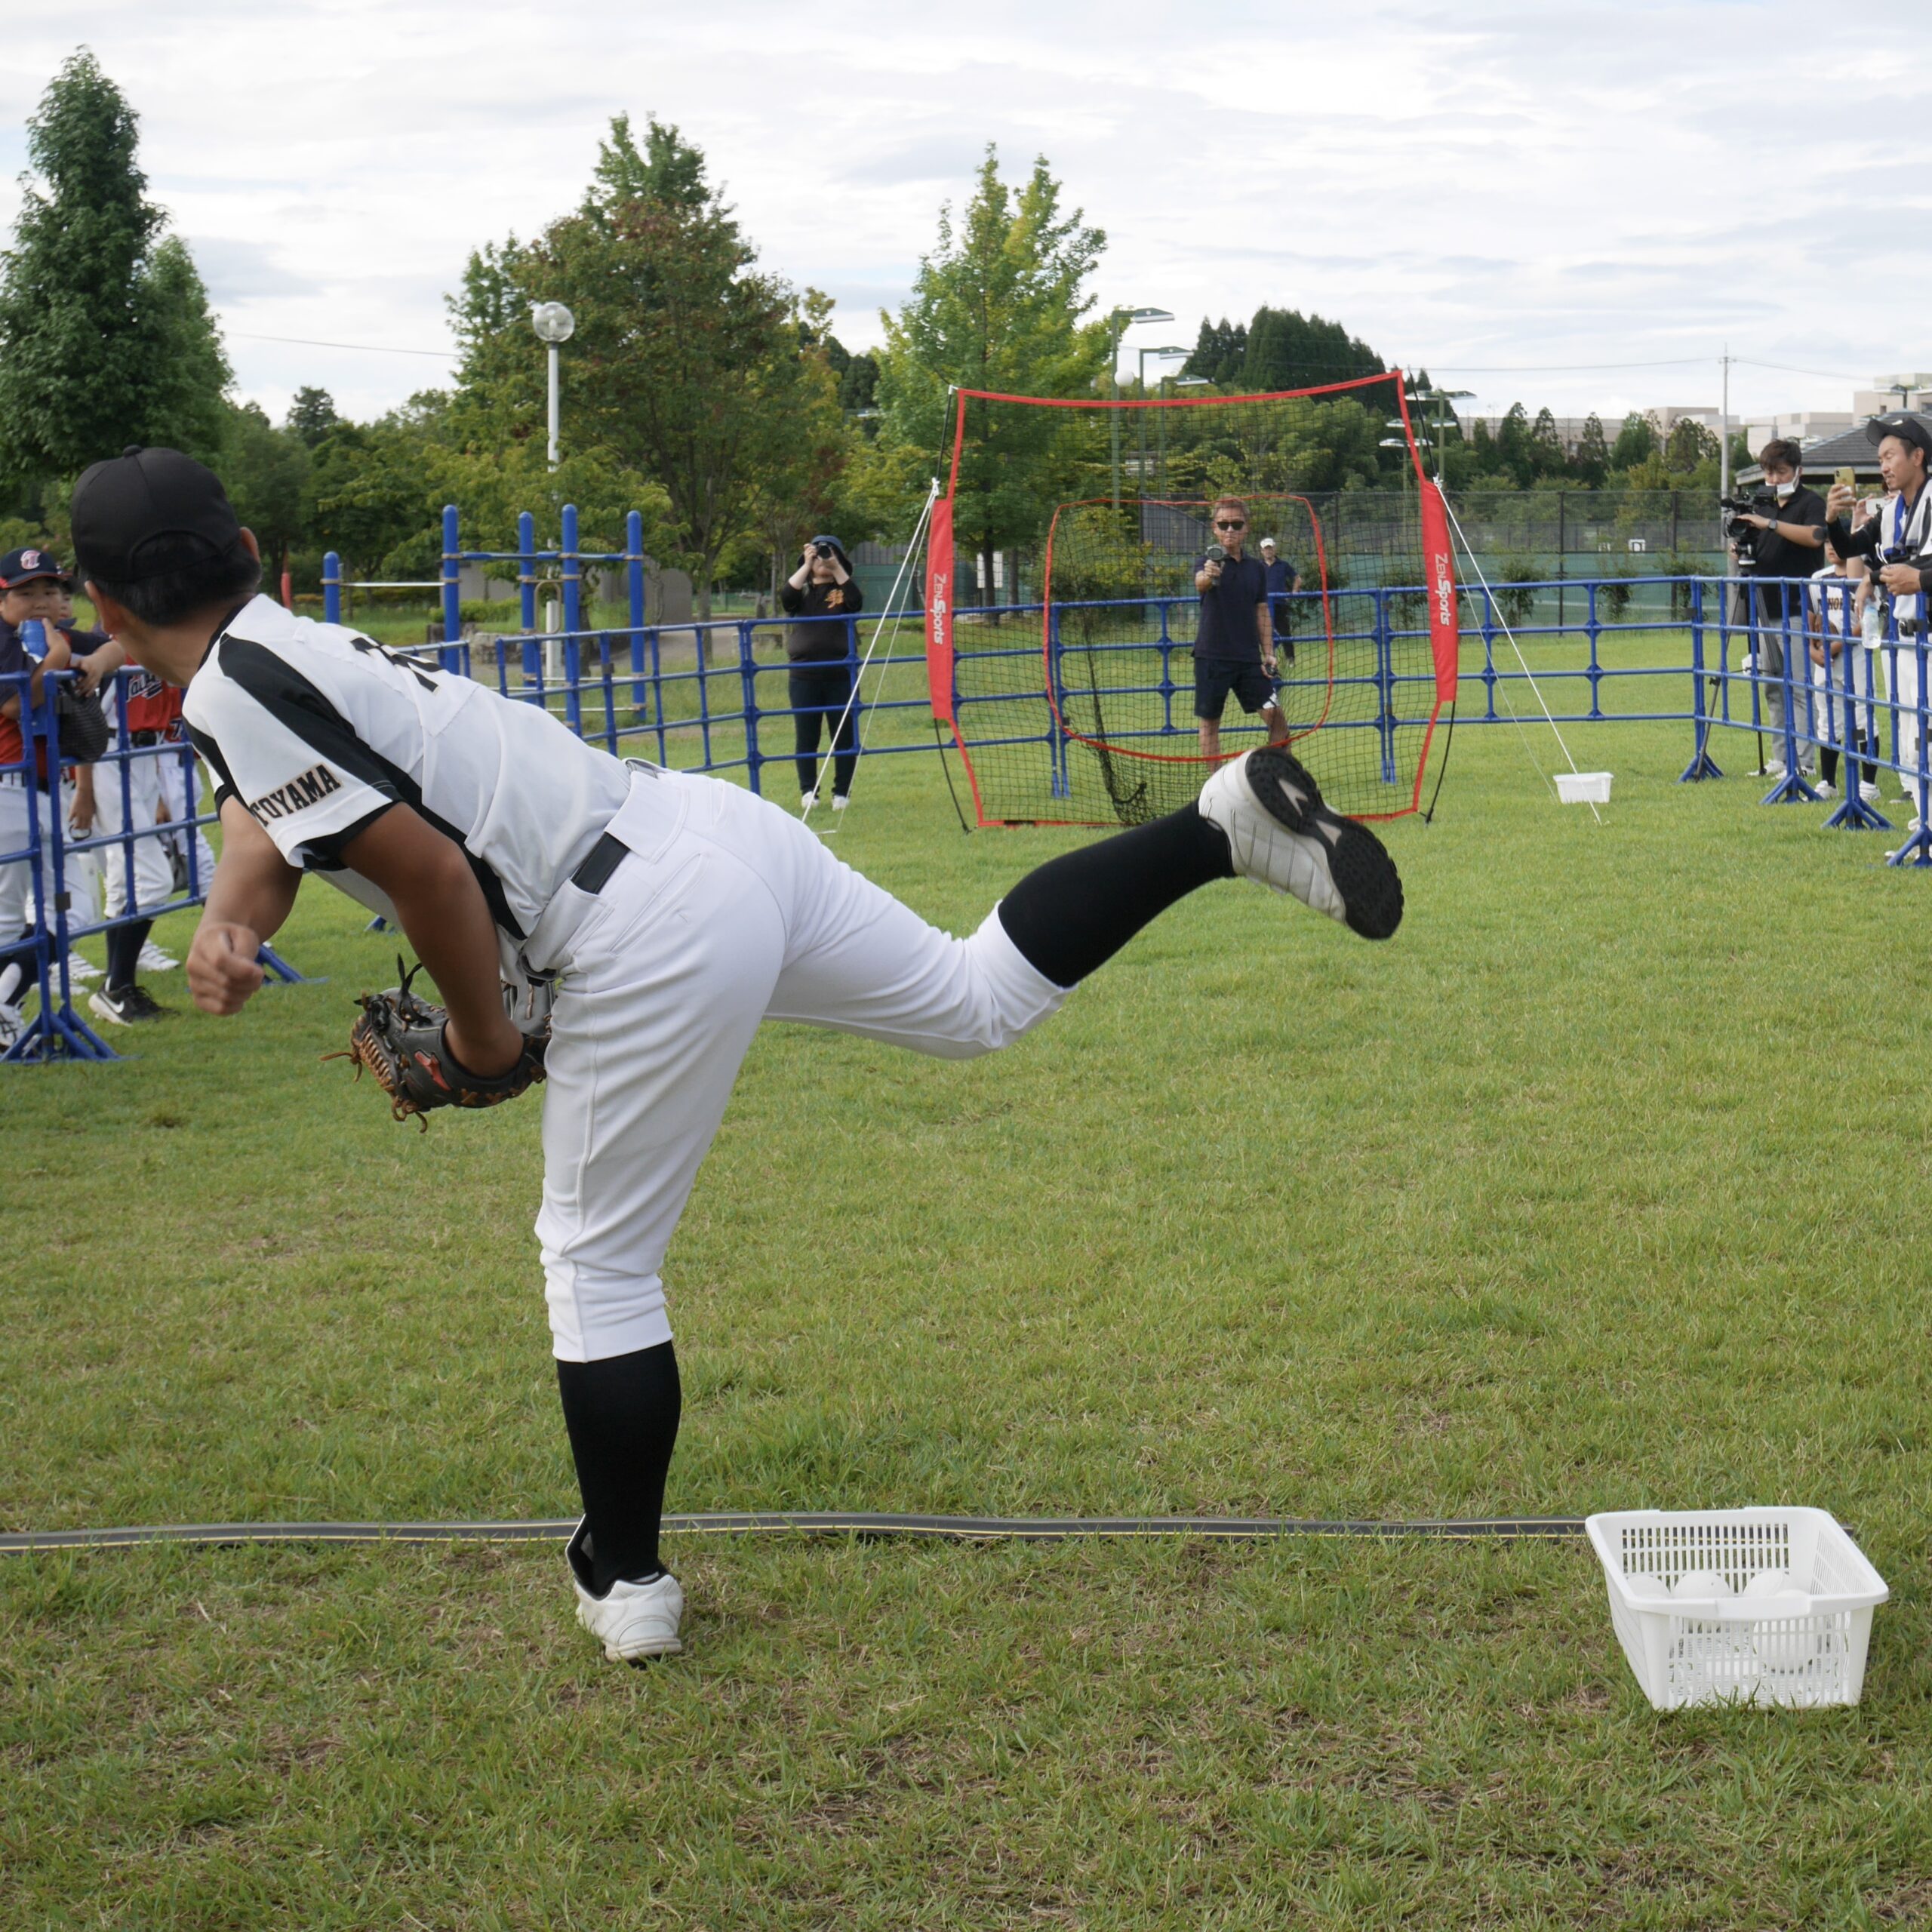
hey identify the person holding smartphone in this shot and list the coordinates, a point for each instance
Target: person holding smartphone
(1234, 646)
(822, 652)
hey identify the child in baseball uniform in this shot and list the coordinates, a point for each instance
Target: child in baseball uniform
(670, 914)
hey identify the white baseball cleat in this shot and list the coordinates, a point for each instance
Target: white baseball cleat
(1281, 834)
(152, 959)
(634, 1622)
(13, 1024)
(806, 800)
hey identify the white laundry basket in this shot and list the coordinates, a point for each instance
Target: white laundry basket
(1584, 788)
(1717, 1606)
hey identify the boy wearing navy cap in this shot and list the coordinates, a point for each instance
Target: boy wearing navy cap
(33, 589)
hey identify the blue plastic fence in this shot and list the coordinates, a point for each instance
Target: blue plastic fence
(715, 696)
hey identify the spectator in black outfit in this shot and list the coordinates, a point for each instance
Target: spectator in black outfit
(1282, 579)
(1789, 546)
(820, 590)
(1234, 648)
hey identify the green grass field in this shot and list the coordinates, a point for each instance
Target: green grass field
(1602, 1186)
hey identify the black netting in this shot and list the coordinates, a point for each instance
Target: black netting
(1075, 610)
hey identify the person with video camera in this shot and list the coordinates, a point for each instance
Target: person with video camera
(821, 589)
(1777, 538)
(1896, 545)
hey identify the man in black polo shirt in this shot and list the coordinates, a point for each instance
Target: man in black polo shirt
(1234, 649)
(1791, 546)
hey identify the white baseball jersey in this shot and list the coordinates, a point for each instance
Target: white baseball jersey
(318, 731)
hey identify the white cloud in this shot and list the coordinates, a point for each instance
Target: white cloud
(1465, 188)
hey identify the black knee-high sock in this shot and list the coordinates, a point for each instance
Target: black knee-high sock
(622, 1414)
(1070, 915)
(123, 952)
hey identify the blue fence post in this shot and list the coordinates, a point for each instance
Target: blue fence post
(1916, 851)
(1791, 789)
(1385, 686)
(634, 575)
(1593, 630)
(1489, 654)
(451, 654)
(748, 670)
(573, 572)
(1854, 814)
(331, 589)
(54, 1031)
(1060, 778)
(526, 571)
(1702, 765)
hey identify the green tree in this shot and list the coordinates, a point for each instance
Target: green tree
(311, 415)
(1548, 457)
(998, 305)
(1592, 460)
(1636, 440)
(267, 470)
(376, 491)
(105, 337)
(686, 368)
(1287, 350)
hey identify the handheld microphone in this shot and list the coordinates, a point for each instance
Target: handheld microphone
(1216, 554)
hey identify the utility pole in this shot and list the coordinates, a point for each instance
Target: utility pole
(1723, 427)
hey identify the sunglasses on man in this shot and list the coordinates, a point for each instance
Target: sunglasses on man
(1230, 526)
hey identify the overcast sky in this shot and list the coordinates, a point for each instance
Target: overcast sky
(1499, 192)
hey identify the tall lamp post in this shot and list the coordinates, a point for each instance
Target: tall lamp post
(1436, 398)
(1167, 384)
(554, 325)
(1119, 322)
(1170, 354)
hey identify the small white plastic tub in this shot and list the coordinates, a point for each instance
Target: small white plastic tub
(1584, 788)
(1739, 1606)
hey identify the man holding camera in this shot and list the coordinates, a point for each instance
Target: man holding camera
(1234, 648)
(1898, 543)
(1788, 537)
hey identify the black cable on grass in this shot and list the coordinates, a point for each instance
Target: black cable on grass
(859, 1524)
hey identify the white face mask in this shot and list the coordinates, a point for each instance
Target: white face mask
(1785, 489)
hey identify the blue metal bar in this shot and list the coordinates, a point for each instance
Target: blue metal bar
(331, 588)
(449, 657)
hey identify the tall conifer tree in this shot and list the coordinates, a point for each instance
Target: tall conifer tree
(105, 337)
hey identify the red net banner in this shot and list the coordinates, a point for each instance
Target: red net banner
(1063, 621)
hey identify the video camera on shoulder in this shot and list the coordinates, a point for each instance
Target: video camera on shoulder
(1763, 501)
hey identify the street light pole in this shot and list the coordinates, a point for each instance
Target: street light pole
(554, 325)
(1141, 415)
(1119, 322)
(1167, 383)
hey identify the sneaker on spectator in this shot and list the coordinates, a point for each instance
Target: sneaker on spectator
(838, 802)
(152, 959)
(1868, 791)
(1825, 789)
(126, 1007)
(806, 800)
(82, 969)
(13, 1024)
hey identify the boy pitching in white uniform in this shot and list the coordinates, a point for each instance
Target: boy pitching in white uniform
(669, 913)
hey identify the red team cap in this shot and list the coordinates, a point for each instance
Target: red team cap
(145, 513)
(19, 567)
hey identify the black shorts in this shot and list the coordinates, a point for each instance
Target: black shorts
(1215, 677)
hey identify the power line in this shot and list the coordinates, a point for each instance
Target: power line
(367, 348)
(1570, 368)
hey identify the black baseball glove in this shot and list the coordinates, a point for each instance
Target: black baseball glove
(399, 1039)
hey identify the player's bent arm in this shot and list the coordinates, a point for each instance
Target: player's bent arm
(428, 879)
(249, 897)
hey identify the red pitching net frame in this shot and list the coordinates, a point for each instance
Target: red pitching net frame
(1138, 778)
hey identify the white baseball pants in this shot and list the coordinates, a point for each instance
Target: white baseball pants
(152, 778)
(726, 911)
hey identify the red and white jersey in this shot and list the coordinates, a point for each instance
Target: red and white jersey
(153, 705)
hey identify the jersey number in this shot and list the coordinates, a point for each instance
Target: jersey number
(369, 647)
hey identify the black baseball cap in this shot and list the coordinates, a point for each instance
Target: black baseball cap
(1908, 428)
(19, 567)
(145, 513)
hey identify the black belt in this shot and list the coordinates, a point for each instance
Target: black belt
(1909, 627)
(147, 738)
(599, 863)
